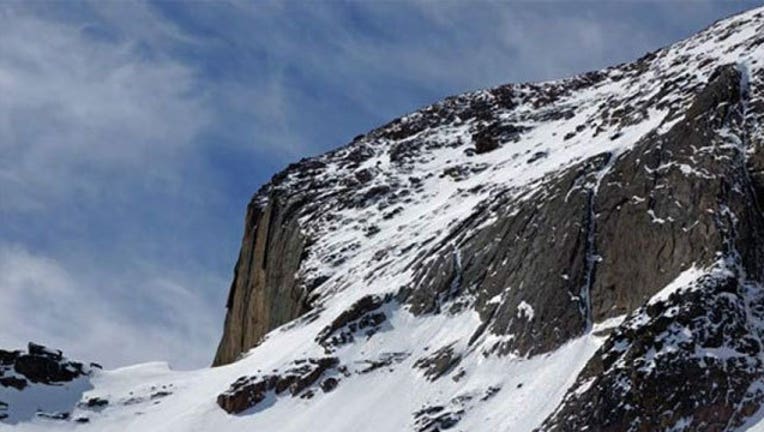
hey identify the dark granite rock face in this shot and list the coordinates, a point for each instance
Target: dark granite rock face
(490, 137)
(436, 418)
(601, 238)
(438, 363)
(689, 362)
(249, 391)
(545, 247)
(264, 293)
(273, 284)
(670, 201)
(364, 317)
(547, 208)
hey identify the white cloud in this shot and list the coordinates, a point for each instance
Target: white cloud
(42, 301)
(94, 131)
(73, 106)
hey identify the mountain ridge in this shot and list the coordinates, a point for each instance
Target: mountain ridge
(574, 254)
(473, 107)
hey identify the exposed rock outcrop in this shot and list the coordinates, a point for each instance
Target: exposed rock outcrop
(43, 376)
(39, 365)
(601, 238)
(527, 217)
(265, 292)
(363, 316)
(438, 363)
(249, 391)
(688, 362)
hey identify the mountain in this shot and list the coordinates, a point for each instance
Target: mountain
(581, 254)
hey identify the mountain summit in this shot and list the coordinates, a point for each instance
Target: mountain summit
(581, 254)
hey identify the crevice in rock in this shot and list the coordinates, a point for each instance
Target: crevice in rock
(650, 354)
(456, 281)
(483, 325)
(591, 256)
(747, 128)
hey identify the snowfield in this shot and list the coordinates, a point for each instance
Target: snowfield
(495, 393)
(376, 401)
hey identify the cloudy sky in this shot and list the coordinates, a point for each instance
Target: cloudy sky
(133, 134)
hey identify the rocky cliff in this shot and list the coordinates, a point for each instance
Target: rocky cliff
(578, 199)
(580, 254)
(542, 213)
(265, 292)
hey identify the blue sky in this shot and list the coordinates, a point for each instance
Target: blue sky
(132, 135)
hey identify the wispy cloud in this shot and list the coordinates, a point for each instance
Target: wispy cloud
(75, 109)
(86, 315)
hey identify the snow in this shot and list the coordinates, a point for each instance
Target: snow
(688, 278)
(608, 324)
(385, 399)
(524, 310)
(655, 219)
(24, 404)
(381, 400)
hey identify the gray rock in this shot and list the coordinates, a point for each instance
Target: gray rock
(264, 293)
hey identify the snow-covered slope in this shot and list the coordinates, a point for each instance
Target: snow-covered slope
(582, 253)
(376, 400)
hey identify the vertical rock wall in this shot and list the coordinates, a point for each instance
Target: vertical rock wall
(265, 292)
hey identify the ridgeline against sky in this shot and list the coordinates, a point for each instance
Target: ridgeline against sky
(132, 135)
